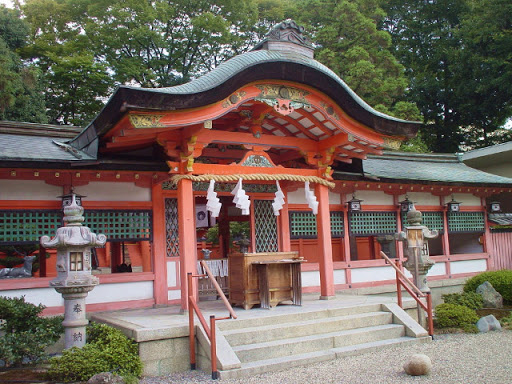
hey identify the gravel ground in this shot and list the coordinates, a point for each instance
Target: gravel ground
(484, 358)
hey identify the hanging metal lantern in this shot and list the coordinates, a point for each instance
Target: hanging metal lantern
(68, 198)
(494, 206)
(406, 205)
(453, 206)
(354, 205)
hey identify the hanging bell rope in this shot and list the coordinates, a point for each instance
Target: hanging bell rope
(253, 176)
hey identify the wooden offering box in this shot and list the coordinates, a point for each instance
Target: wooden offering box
(264, 278)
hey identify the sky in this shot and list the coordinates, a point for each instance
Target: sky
(8, 3)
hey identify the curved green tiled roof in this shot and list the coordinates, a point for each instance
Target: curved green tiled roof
(247, 60)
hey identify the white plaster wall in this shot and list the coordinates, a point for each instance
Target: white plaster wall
(339, 276)
(174, 294)
(364, 275)
(28, 190)
(171, 274)
(46, 296)
(106, 293)
(311, 279)
(372, 198)
(297, 197)
(107, 191)
(422, 198)
(465, 199)
(438, 269)
(468, 266)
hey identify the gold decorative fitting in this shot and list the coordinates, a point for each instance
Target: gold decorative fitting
(208, 124)
(137, 176)
(57, 174)
(146, 121)
(36, 174)
(282, 92)
(118, 176)
(13, 173)
(77, 174)
(98, 175)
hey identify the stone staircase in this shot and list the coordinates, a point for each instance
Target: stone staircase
(252, 346)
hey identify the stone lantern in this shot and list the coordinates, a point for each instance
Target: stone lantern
(74, 280)
(418, 260)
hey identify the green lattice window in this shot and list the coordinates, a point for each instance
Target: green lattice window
(431, 220)
(172, 234)
(265, 223)
(24, 226)
(120, 225)
(466, 222)
(303, 224)
(372, 223)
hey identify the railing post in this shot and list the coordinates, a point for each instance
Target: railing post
(191, 327)
(213, 350)
(398, 285)
(430, 317)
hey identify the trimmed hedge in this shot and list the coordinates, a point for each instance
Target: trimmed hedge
(107, 350)
(455, 316)
(500, 280)
(471, 300)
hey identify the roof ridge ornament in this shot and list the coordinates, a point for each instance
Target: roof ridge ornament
(287, 36)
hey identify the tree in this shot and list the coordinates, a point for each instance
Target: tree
(163, 43)
(351, 44)
(21, 96)
(457, 57)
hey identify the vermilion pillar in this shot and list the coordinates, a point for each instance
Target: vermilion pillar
(284, 230)
(187, 232)
(324, 243)
(160, 288)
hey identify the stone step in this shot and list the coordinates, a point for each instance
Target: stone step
(312, 343)
(280, 331)
(268, 318)
(286, 362)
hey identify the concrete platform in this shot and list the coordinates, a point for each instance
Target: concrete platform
(162, 333)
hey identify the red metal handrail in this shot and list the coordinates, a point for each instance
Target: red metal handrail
(210, 331)
(413, 290)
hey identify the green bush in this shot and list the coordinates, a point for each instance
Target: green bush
(25, 334)
(506, 322)
(454, 316)
(500, 280)
(471, 300)
(107, 350)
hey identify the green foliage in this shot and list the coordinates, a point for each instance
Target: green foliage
(107, 350)
(351, 43)
(471, 300)
(456, 55)
(21, 97)
(454, 316)
(500, 280)
(506, 322)
(25, 333)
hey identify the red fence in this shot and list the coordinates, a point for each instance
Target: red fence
(501, 250)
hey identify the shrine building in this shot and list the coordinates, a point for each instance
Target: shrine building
(169, 172)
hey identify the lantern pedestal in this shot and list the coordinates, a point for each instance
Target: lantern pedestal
(74, 315)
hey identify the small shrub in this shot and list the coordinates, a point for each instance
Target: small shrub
(454, 316)
(471, 300)
(500, 280)
(107, 350)
(506, 322)
(25, 334)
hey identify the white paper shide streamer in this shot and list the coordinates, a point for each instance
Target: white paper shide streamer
(241, 200)
(311, 198)
(213, 203)
(278, 203)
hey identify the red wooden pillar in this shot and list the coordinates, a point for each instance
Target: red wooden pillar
(487, 247)
(325, 243)
(160, 289)
(187, 232)
(446, 240)
(346, 243)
